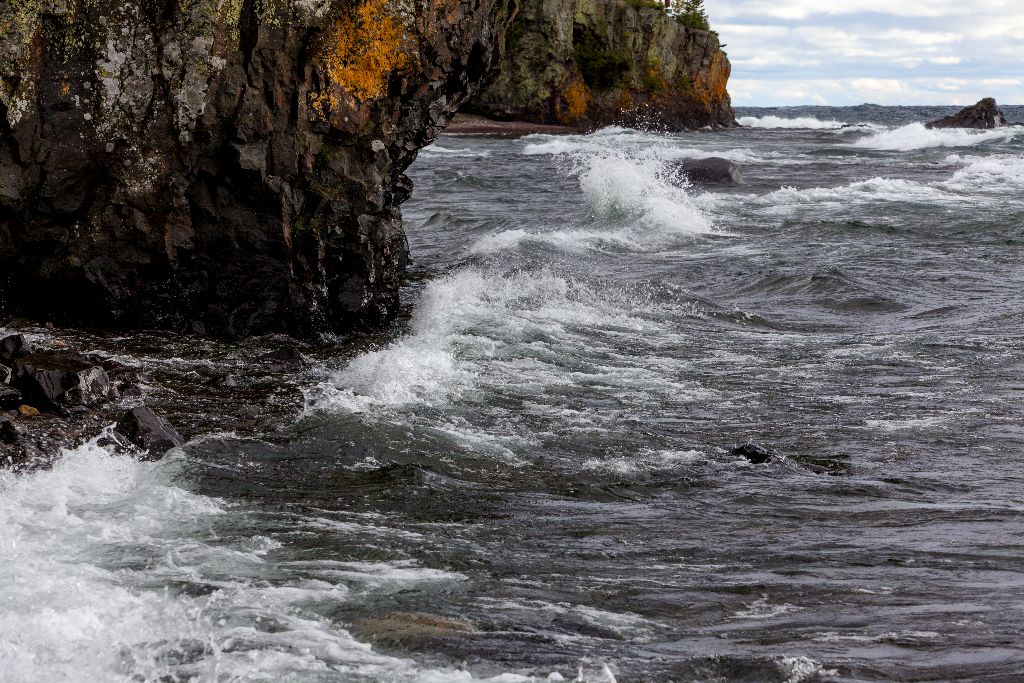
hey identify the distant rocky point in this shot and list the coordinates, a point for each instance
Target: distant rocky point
(585, 63)
(986, 114)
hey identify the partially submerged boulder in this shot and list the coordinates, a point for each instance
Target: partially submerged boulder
(710, 171)
(148, 431)
(985, 115)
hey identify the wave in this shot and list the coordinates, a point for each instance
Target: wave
(777, 122)
(619, 140)
(916, 136)
(93, 553)
(993, 173)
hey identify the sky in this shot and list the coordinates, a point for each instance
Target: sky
(838, 52)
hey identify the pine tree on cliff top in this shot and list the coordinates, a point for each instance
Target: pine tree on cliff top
(691, 14)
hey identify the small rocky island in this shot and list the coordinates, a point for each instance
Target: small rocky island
(984, 115)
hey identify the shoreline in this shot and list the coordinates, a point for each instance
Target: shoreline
(473, 124)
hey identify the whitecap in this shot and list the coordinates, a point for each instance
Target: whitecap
(777, 122)
(916, 136)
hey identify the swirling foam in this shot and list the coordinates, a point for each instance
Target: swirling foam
(90, 553)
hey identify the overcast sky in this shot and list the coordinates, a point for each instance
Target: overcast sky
(880, 51)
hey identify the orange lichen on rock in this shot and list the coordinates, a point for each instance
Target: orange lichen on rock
(712, 84)
(365, 49)
(576, 99)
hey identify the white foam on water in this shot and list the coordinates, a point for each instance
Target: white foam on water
(800, 122)
(619, 184)
(916, 136)
(504, 332)
(91, 549)
(992, 173)
(800, 669)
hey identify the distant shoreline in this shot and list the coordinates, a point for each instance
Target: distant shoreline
(472, 124)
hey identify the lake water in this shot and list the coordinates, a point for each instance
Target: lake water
(530, 477)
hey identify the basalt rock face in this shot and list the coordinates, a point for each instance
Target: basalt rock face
(592, 62)
(985, 115)
(223, 166)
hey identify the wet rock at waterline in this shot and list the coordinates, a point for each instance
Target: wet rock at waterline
(759, 455)
(222, 168)
(13, 347)
(149, 431)
(57, 380)
(10, 398)
(710, 171)
(985, 115)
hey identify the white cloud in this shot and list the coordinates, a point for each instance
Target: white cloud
(855, 51)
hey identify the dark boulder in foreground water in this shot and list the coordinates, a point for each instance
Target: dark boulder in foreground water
(986, 114)
(710, 171)
(149, 431)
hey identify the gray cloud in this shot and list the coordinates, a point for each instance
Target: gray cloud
(880, 51)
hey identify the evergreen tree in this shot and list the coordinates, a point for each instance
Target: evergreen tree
(692, 14)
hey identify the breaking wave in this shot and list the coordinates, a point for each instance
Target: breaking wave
(917, 136)
(777, 122)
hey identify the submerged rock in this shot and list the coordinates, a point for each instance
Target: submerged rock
(228, 168)
(986, 114)
(710, 171)
(149, 431)
(287, 359)
(757, 455)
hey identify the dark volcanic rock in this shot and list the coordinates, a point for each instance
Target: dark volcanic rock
(9, 432)
(710, 171)
(5, 375)
(14, 347)
(10, 398)
(985, 114)
(149, 431)
(57, 380)
(758, 455)
(228, 168)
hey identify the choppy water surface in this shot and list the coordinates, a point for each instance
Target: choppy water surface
(530, 476)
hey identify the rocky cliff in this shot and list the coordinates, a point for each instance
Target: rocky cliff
(222, 166)
(589, 62)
